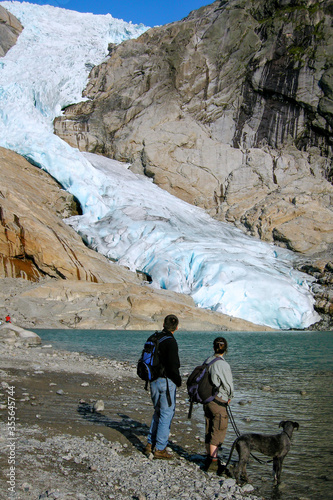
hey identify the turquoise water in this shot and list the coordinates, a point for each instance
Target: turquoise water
(287, 362)
(285, 350)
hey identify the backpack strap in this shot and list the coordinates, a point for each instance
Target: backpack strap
(216, 358)
(164, 338)
(190, 409)
(212, 361)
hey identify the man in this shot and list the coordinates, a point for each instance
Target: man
(163, 391)
(216, 416)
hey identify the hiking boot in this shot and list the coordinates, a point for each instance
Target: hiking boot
(222, 470)
(211, 465)
(163, 454)
(148, 449)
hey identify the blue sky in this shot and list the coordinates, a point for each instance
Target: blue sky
(148, 12)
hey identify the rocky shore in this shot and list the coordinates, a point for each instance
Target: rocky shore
(74, 426)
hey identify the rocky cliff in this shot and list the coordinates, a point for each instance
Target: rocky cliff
(10, 28)
(230, 109)
(50, 279)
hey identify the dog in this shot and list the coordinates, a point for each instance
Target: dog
(276, 446)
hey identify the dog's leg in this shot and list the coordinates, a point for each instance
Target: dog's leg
(236, 473)
(237, 469)
(277, 468)
(242, 470)
(243, 450)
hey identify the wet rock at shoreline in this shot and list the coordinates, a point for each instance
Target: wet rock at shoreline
(12, 334)
(98, 406)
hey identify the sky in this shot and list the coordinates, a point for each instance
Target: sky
(149, 12)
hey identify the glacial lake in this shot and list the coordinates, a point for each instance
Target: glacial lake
(296, 366)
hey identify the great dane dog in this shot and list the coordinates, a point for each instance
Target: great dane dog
(276, 446)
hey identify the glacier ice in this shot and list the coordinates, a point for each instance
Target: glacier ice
(125, 216)
(184, 250)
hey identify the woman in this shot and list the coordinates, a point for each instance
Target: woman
(216, 416)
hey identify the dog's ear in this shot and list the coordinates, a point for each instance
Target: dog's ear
(281, 424)
(296, 425)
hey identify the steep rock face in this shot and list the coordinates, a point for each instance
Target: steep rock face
(10, 28)
(50, 279)
(230, 109)
(34, 241)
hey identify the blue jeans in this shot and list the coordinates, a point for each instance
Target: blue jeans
(161, 422)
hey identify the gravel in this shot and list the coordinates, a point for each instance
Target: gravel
(65, 446)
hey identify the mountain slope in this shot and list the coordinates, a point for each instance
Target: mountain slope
(62, 283)
(229, 109)
(124, 215)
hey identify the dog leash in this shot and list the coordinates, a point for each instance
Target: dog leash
(237, 432)
(232, 420)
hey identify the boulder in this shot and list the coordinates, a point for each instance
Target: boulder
(12, 334)
(98, 406)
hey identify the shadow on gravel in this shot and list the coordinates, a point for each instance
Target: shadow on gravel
(130, 429)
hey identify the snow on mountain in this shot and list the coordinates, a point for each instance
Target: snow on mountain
(125, 216)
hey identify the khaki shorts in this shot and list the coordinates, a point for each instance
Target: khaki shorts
(216, 418)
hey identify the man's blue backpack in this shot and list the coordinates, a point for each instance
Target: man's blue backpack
(149, 366)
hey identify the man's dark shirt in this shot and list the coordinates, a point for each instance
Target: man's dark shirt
(169, 357)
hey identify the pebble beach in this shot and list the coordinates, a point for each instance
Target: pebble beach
(74, 426)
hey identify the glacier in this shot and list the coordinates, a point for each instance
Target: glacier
(125, 216)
